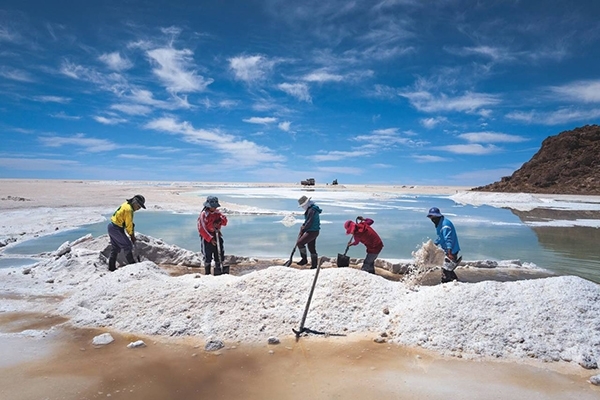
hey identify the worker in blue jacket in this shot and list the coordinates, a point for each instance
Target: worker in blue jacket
(448, 240)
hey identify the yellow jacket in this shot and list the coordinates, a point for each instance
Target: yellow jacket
(123, 217)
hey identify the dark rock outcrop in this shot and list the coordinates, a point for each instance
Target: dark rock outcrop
(568, 163)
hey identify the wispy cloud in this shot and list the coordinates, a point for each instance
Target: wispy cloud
(285, 126)
(260, 120)
(558, 117)
(63, 115)
(472, 149)
(140, 157)
(132, 109)
(109, 120)
(431, 123)
(429, 159)
(341, 170)
(115, 62)
(245, 152)
(322, 76)
(174, 68)
(338, 155)
(581, 91)
(37, 164)
(52, 99)
(383, 139)
(468, 102)
(297, 90)
(491, 137)
(90, 145)
(16, 74)
(251, 69)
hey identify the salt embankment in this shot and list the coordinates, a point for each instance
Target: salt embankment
(549, 319)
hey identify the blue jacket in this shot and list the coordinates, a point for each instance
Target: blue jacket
(312, 221)
(447, 237)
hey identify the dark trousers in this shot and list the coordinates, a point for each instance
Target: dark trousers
(209, 251)
(310, 239)
(119, 241)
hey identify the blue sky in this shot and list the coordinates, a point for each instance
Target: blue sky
(450, 92)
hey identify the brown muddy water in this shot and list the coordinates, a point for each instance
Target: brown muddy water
(65, 365)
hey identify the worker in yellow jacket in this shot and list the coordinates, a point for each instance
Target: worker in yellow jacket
(121, 222)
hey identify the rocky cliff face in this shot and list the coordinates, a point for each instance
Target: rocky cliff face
(568, 163)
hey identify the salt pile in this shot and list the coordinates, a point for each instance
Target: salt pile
(550, 319)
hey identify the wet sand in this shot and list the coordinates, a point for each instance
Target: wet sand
(65, 365)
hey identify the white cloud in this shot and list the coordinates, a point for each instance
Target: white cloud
(469, 102)
(431, 123)
(37, 164)
(581, 91)
(383, 139)
(472, 149)
(90, 145)
(297, 90)
(338, 155)
(561, 116)
(244, 152)
(132, 109)
(63, 115)
(430, 159)
(260, 120)
(251, 68)
(173, 68)
(285, 126)
(115, 62)
(109, 121)
(52, 99)
(322, 76)
(16, 74)
(491, 137)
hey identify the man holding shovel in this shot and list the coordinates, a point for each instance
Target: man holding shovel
(363, 233)
(210, 222)
(120, 223)
(448, 241)
(309, 232)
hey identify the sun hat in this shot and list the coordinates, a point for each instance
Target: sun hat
(349, 226)
(139, 199)
(303, 200)
(212, 202)
(434, 212)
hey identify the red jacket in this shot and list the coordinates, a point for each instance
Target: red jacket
(208, 221)
(366, 235)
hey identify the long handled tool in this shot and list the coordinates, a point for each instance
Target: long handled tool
(218, 258)
(289, 262)
(302, 329)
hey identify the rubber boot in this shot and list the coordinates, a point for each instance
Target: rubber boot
(129, 258)
(112, 264)
(448, 276)
(217, 270)
(304, 259)
(314, 260)
(207, 269)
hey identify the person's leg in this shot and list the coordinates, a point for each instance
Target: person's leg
(207, 253)
(301, 245)
(369, 263)
(118, 241)
(312, 248)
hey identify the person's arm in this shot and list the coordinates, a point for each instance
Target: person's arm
(128, 217)
(448, 240)
(309, 220)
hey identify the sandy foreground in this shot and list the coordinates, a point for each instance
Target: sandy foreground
(61, 362)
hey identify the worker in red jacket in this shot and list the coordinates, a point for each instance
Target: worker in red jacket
(363, 233)
(210, 222)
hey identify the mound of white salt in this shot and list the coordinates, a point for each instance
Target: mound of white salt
(550, 319)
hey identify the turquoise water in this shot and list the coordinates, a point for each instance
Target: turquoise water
(484, 232)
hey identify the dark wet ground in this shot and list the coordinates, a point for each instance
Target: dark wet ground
(65, 365)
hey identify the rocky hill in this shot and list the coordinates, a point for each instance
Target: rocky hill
(568, 163)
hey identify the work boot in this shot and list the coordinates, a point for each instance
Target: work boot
(304, 259)
(129, 258)
(217, 270)
(112, 264)
(314, 260)
(207, 269)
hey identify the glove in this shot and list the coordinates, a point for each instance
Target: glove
(450, 255)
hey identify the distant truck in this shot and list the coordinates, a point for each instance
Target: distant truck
(308, 182)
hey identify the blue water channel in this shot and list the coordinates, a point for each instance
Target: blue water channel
(484, 232)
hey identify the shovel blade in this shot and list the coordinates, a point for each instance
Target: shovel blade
(343, 261)
(225, 269)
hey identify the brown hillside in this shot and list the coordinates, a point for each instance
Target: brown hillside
(568, 163)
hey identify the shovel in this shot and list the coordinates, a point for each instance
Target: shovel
(223, 268)
(342, 259)
(289, 262)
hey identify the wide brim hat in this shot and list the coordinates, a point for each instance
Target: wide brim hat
(434, 212)
(303, 200)
(350, 226)
(212, 202)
